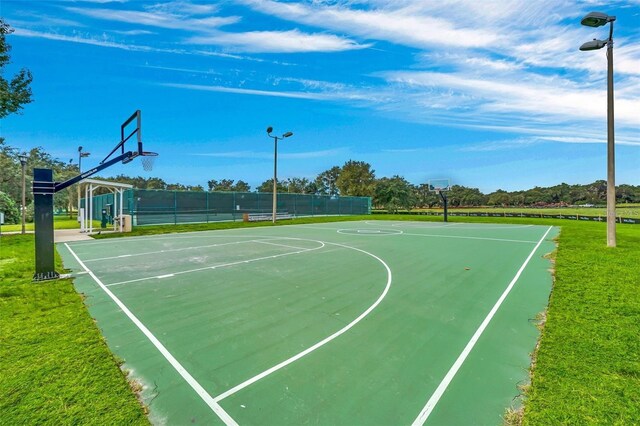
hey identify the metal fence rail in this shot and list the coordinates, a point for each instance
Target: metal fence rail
(532, 215)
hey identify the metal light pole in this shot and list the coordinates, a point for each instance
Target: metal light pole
(23, 161)
(597, 19)
(275, 168)
(81, 155)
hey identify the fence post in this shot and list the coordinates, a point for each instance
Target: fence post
(206, 213)
(175, 208)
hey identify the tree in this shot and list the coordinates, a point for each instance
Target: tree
(9, 208)
(460, 196)
(17, 92)
(267, 186)
(222, 185)
(242, 186)
(228, 185)
(424, 197)
(499, 198)
(356, 179)
(299, 186)
(394, 193)
(326, 181)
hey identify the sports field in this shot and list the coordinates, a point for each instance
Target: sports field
(371, 322)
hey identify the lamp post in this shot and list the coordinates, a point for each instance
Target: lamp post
(81, 155)
(597, 19)
(275, 167)
(23, 162)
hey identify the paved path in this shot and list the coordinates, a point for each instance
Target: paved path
(64, 235)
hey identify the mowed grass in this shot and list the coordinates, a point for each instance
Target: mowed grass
(59, 222)
(587, 369)
(55, 366)
(588, 364)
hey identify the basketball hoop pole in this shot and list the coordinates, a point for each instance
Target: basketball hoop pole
(44, 188)
(443, 195)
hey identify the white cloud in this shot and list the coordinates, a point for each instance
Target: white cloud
(346, 95)
(159, 19)
(255, 92)
(277, 41)
(134, 32)
(500, 145)
(183, 7)
(399, 25)
(532, 98)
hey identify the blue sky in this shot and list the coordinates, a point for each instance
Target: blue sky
(491, 94)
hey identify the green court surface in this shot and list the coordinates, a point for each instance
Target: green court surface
(352, 323)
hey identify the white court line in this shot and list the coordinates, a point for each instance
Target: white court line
(169, 250)
(279, 245)
(323, 341)
(431, 403)
(217, 409)
(204, 268)
(459, 237)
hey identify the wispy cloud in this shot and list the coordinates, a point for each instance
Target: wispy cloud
(402, 24)
(550, 99)
(255, 92)
(347, 95)
(156, 18)
(625, 140)
(277, 42)
(500, 145)
(103, 41)
(134, 32)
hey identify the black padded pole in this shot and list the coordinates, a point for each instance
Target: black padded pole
(43, 190)
(444, 201)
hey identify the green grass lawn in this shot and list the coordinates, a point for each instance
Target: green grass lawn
(56, 368)
(588, 365)
(59, 222)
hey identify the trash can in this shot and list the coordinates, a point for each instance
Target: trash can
(125, 220)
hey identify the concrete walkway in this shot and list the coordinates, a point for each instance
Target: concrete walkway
(65, 235)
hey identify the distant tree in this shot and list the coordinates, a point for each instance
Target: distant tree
(221, 185)
(242, 186)
(10, 171)
(462, 196)
(326, 181)
(424, 197)
(9, 208)
(228, 185)
(155, 183)
(299, 186)
(499, 198)
(267, 186)
(393, 194)
(17, 92)
(357, 178)
(176, 187)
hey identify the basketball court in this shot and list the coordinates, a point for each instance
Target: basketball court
(371, 322)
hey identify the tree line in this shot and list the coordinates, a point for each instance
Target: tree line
(353, 178)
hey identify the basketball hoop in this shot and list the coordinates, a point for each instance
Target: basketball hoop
(148, 160)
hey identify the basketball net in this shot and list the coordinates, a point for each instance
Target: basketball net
(147, 162)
